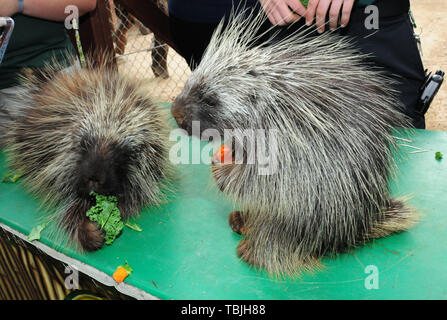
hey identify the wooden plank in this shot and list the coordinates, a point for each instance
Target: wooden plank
(95, 30)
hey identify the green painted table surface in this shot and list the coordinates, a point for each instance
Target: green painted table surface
(187, 250)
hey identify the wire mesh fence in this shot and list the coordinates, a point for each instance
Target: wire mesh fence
(141, 54)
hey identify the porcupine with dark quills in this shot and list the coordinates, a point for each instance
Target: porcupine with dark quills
(91, 129)
(333, 115)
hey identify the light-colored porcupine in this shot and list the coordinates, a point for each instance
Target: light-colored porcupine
(90, 129)
(333, 116)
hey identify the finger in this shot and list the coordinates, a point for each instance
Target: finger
(334, 13)
(286, 14)
(297, 7)
(277, 17)
(268, 9)
(266, 6)
(310, 12)
(269, 6)
(320, 17)
(271, 18)
(346, 12)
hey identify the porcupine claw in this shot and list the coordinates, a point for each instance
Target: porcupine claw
(90, 235)
(236, 222)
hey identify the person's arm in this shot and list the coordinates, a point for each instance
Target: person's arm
(282, 12)
(45, 9)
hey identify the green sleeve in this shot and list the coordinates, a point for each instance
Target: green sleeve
(34, 42)
(364, 3)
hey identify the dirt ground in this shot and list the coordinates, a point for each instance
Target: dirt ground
(430, 16)
(431, 19)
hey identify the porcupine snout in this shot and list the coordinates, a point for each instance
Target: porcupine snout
(181, 115)
(95, 179)
(102, 171)
(203, 110)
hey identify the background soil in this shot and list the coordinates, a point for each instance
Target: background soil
(431, 20)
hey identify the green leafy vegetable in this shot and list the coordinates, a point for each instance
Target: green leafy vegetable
(107, 215)
(305, 2)
(133, 226)
(35, 232)
(438, 155)
(11, 177)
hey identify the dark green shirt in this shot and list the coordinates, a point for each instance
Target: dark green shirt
(33, 43)
(367, 2)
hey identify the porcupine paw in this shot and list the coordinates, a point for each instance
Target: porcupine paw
(90, 235)
(220, 173)
(246, 252)
(236, 222)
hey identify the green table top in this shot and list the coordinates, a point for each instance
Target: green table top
(187, 250)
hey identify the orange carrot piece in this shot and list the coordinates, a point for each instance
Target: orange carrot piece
(120, 274)
(224, 153)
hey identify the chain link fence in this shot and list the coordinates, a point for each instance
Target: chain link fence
(139, 53)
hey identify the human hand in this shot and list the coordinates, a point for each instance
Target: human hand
(282, 12)
(8, 7)
(318, 9)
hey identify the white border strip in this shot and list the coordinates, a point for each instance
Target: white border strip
(92, 272)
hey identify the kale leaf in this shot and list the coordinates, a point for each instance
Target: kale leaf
(107, 215)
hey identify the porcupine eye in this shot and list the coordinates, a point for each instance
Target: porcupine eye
(207, 112)
(195, 106)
